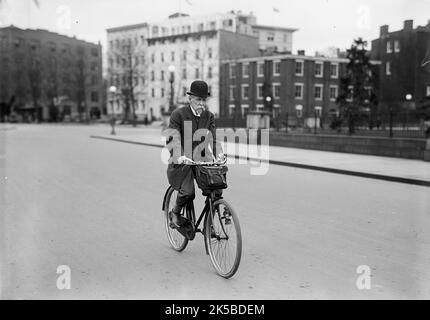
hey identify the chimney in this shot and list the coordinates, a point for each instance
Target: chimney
(383, 30)
(408, 25)
(301, 52)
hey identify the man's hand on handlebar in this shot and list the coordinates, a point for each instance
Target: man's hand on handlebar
(184, 160)
(221, 158)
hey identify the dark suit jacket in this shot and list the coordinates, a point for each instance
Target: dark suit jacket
(181, 120)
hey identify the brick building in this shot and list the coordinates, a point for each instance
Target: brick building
(405, 58)
(48, 76)
(301, 87)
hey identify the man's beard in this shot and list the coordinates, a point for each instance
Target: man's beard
(199, 110)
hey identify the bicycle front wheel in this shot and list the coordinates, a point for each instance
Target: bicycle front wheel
(176, 239)
(224, 239)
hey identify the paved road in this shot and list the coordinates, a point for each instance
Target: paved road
(95, 206)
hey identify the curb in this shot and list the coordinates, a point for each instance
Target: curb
(375, 176)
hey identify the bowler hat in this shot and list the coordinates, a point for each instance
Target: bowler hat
(200, 89)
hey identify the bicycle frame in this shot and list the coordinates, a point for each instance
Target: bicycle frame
(208, 208)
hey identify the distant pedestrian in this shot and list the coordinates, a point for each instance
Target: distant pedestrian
(112, 123)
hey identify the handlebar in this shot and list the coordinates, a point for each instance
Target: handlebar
(203, 163)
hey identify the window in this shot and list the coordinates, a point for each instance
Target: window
(232, 71)
(227, 23)
(396, 46)
(210, 53)
(200, 27)
(162, 56)
(184, 73)
(318, 69)
(388, 68)
(213, 25)
(153, 92)
(231, 108)
(184, 91)
(197, 73)
(276, 68)
(350, 94)
(299, 111)
(259, 91)
(153, 57)
(162, 75)
(94, 52)
(94, 97)
(334, 70)
(162, 92)
(276, 90)
(152, 75)
(318, 111)
(142, 103)
(298, 90)
(389, 47)
(270, 36)
(197, 54)
(260, 69)
(318, 93)
(173, 56)
(299, 68)
(231, 92)
(244, 110)
(155, 31)
(245, 91)
(333, 93)
(210, 72)
(245, 70)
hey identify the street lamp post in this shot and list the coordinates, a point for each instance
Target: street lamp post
(315, 122)
(391, 121)
(112, 90)
(269, 106)
(171, 80)
(408, 98)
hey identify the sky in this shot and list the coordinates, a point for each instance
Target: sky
(320, 23)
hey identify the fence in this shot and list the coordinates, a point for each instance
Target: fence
(399, 124)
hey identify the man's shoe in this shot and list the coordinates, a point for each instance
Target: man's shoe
(176, 219)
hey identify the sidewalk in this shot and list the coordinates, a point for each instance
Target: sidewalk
(392, 169)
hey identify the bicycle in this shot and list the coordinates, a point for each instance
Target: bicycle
(221, 228)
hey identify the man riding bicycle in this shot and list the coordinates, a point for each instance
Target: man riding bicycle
(183, 125)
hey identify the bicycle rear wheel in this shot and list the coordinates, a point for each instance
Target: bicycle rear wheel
(176, 239)
(224, 239)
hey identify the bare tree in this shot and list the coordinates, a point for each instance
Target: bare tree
(130, 67)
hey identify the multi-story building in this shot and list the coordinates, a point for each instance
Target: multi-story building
(300, 87)
(48, 76)
(194, 46)
(405, 59)
(127, 69)
(194, 56)
(274, 38)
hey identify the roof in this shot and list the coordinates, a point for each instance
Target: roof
(273, 28)
(294, 56)
(128, 27)
(288, 56)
